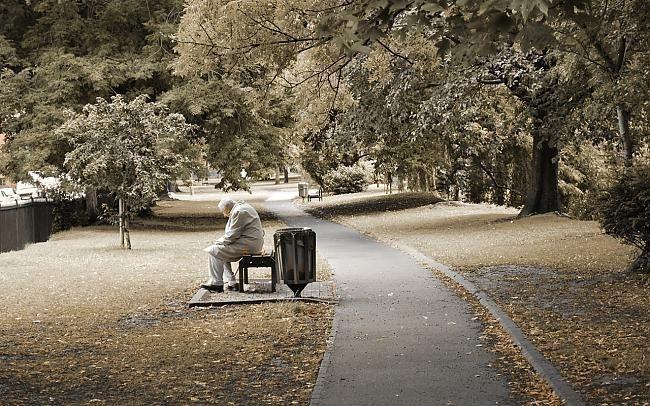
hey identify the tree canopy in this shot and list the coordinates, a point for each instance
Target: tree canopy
(131, 149)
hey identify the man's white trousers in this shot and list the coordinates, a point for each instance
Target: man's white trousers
(218, 268)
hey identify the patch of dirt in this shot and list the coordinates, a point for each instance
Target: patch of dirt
(561, 280)
(83, 321)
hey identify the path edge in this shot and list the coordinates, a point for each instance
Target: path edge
(323, 370)
(541, 364)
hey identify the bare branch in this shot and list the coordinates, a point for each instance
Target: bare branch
(493, 179)
(622, 48)
(584, 56)
(394, 53)
(319, 72)
(275, 29)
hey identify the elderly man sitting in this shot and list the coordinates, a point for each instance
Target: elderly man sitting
(243, 236)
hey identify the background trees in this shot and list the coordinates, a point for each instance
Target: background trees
(62, 54)
(534, 103)
(449, 95)
(67, 53)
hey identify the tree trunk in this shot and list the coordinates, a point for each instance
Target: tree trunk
(120, 209)
(389, 183)
(286, 174)
(543, 195)
(500, 192)
(432, 182)
(91, 204)
(172, 186)
(277, 175)
(424, 180)
(624, 132)
(127, 234)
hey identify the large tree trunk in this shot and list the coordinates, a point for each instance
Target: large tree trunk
(432, 182)
(502, 179)
(543, 195)
(91, 204)
(624, 132)
(172, 186)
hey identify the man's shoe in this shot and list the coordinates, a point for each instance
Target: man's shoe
(234, 287)
(212, 288)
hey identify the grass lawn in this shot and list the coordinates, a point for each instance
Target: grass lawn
(83, 322)
(561, 280)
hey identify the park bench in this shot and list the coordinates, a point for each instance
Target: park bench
(257, 261)
(315, 194)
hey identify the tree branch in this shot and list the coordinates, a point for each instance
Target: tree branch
(317, 73)
(394, 53)
(622, 48)
(493, 179)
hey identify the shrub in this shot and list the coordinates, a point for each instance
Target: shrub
(68, 210)
(346, 179)
(624, 212)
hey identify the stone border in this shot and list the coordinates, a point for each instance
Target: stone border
(543, 366)
(325, 364)
(197, 301)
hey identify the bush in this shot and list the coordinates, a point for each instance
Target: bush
(68, 210)
(624, 212)
(346, 179)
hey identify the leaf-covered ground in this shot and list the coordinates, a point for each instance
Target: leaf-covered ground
(561, 280)
(84, 322)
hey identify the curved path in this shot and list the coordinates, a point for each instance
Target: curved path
(401, 337)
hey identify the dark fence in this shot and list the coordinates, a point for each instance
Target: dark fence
(24, 222)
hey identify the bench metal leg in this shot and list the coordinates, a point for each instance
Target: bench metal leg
(274, 277)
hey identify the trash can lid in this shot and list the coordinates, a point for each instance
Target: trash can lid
(291, 230)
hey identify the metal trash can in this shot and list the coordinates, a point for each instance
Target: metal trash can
(295, 250)
(303, 189)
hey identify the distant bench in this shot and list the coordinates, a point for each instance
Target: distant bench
(315, 194)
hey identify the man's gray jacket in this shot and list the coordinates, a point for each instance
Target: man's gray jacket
(243, 234)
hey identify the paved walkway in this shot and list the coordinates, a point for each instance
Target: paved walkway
(401, 338)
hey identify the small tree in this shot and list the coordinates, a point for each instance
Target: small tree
(625, 213)
(130, 149)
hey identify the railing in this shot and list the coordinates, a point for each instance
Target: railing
(23, 222)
